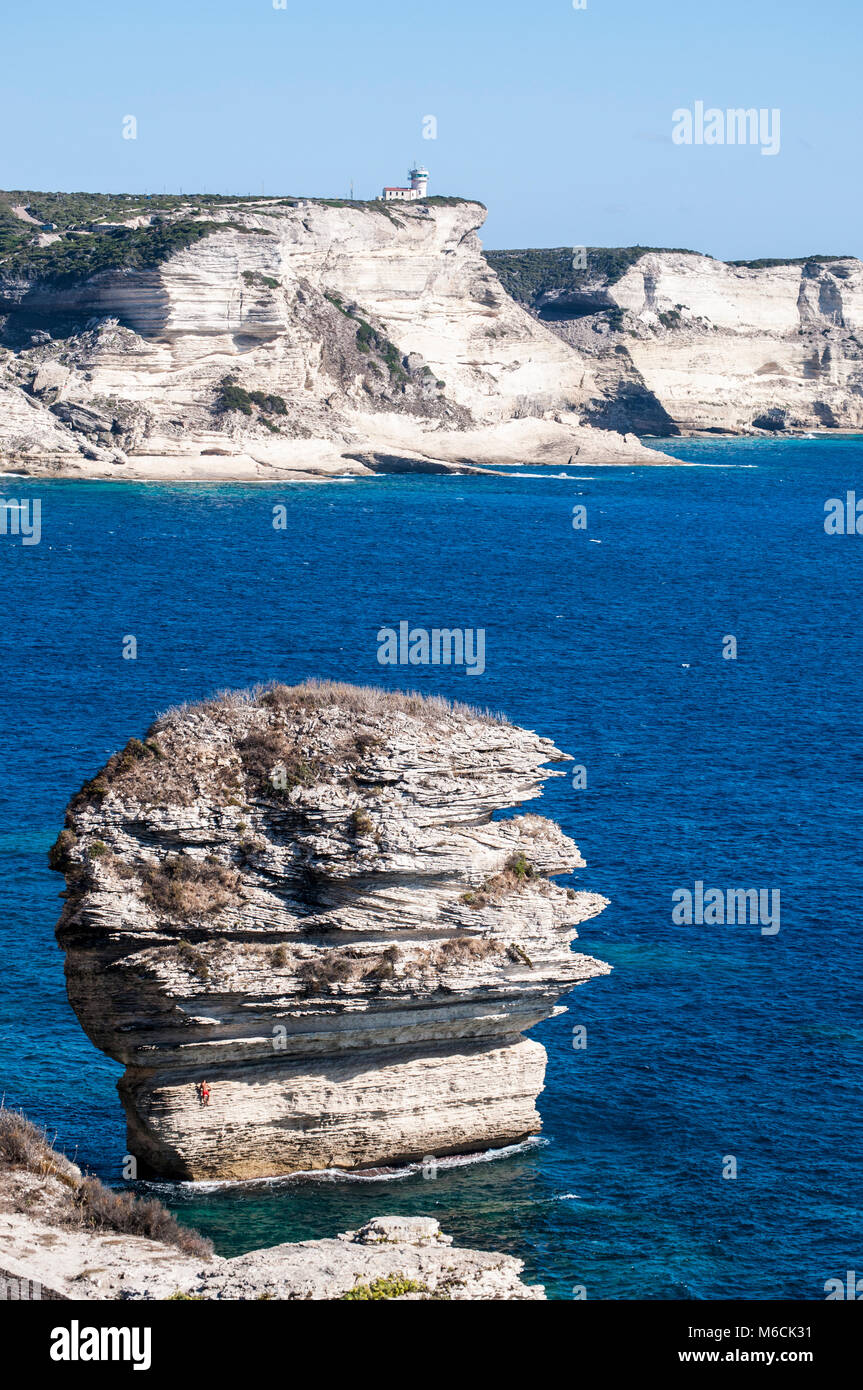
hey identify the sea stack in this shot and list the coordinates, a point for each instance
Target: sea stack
(299, 896)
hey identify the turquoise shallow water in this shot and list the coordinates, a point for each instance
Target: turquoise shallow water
(705, 1041)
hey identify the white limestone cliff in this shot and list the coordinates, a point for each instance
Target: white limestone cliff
(683, 342)
(120, 374)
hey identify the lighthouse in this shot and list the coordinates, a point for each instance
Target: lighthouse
(419, 178)
(419, 181)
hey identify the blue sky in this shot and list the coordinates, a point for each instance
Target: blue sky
(559, 119)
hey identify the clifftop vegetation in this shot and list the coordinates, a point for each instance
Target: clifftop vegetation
(768, 262)
(82, 1202)
(529, 274)
(83, 241)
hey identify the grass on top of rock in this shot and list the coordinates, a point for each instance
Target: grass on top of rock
(187, 888)
(24, 1144)
(313, 695)
(79, 211)
(78, 256)
(769, 262)
(101, 1208)
(515, 875)
(91, 1205)
(361, 823)
(465, 950)
(370, 700)
(119, 765)
(194, 961)
(335, 966)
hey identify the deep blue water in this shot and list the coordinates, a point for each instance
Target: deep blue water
(706, 1041)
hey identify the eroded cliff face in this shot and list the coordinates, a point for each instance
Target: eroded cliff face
(300, 896)
(684, 343)
(348, 334)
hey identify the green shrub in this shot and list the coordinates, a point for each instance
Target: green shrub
(255, 277)
(60, 853)
(521, 867)
(529, 274)
(234, 397)
(75, 257)
(387, 1286)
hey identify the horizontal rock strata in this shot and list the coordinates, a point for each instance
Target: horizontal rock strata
(684, 343)
(299, 895)
(342, 331)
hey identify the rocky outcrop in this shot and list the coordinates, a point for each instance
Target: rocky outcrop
(45, 1256)
(339, 331)
(682, 343)
(300, 896)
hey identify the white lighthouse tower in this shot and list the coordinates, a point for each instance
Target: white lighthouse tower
(419, 178)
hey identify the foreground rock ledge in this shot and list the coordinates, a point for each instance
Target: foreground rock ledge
(391, 1257)
(299, 896)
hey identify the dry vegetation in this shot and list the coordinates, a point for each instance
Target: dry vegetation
(25, 1145)
(90, 1205)
(274, 763)
(193, 960)
(516, 874)
(187, 888)
(361, 823)
(178, 760)
(351, 966)
(464, 950)
(119, 765)
(334, 968)
(311, 695)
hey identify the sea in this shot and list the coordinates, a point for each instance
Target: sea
(694, 639)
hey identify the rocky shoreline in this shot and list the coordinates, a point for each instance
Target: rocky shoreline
(45, 1257)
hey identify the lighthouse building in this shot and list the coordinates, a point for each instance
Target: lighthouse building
(418, 189)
